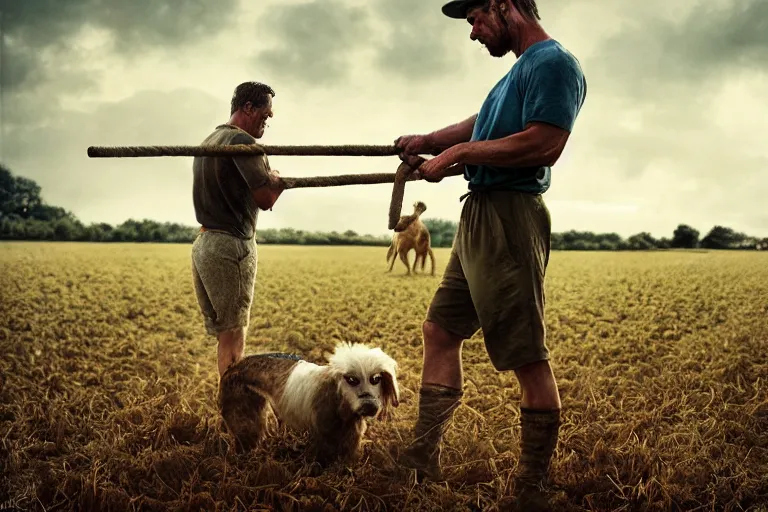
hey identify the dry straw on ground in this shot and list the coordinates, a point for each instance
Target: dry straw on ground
(108, 383)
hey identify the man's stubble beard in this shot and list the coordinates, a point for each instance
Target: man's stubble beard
(506, 41)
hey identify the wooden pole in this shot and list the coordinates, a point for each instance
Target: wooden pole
(239, 149)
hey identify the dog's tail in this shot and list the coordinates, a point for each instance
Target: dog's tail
(391, 250)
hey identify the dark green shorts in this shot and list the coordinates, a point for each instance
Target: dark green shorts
(494, 279)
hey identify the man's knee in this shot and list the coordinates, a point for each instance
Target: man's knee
(435, 336)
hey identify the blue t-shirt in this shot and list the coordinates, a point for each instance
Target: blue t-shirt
(545, 84)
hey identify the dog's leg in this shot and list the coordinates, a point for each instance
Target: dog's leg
(246, 392)
(336, 432)
(244, 410)
(404, 259)
(339, 444)
(350, 445)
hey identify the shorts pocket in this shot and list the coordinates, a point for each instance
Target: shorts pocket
(506, 248)
(244, 250)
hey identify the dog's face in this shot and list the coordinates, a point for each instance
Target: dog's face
(367, 379)
(363, 391)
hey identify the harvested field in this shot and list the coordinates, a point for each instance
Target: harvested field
(109, 382)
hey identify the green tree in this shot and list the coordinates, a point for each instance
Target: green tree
(721, 237)
(18, 195)
(642, 241)
(685, 236)
(441, 232)
(608, 245)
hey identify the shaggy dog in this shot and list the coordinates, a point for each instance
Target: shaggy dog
(331, 402)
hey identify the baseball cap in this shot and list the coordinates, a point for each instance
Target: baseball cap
(458, 8)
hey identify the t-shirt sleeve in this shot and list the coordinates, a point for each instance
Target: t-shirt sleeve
(555, 92)
(255, 168)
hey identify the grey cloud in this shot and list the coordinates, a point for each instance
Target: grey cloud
(421, 40)
(313, 41)
(705, 46)
(713, 40)
(20, 65)
(33, 27)
(33, 90)
(112, 189)
(150, 23)
(651, 124)
(663, 73)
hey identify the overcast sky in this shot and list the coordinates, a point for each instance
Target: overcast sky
(673, 129)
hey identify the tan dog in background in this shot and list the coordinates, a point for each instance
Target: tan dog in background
(411, 233)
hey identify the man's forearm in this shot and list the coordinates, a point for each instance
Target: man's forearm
(266, 195)
(523, 149)
(453, 134)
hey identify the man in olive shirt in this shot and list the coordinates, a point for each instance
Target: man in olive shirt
(228, 193)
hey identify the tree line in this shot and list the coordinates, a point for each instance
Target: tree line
(25, 216)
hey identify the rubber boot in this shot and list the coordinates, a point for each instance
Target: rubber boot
(539, 433)
(436, 407)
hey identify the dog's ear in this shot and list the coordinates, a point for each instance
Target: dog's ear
(390, 393)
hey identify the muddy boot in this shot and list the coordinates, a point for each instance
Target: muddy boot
(436, 407)
(539, 429)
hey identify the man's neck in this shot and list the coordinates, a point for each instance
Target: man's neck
(530, 34)
(235, 120)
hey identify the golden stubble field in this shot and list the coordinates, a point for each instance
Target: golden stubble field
(109, 383)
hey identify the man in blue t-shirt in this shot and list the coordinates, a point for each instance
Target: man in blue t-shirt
(494, 279)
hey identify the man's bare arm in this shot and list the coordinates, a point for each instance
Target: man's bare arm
(266, 195)
(539, 144)
(452, 135)
(436, 142)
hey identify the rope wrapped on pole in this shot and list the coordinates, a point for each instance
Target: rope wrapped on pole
(341, 180)
(240, 150)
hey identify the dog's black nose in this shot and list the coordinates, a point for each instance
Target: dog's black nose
(368, 409)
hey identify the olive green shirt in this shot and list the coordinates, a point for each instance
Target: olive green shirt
(221, 186)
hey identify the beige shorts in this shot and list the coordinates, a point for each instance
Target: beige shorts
(494, 279)
(224, 273)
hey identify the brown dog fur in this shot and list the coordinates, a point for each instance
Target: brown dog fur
(245, 391)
